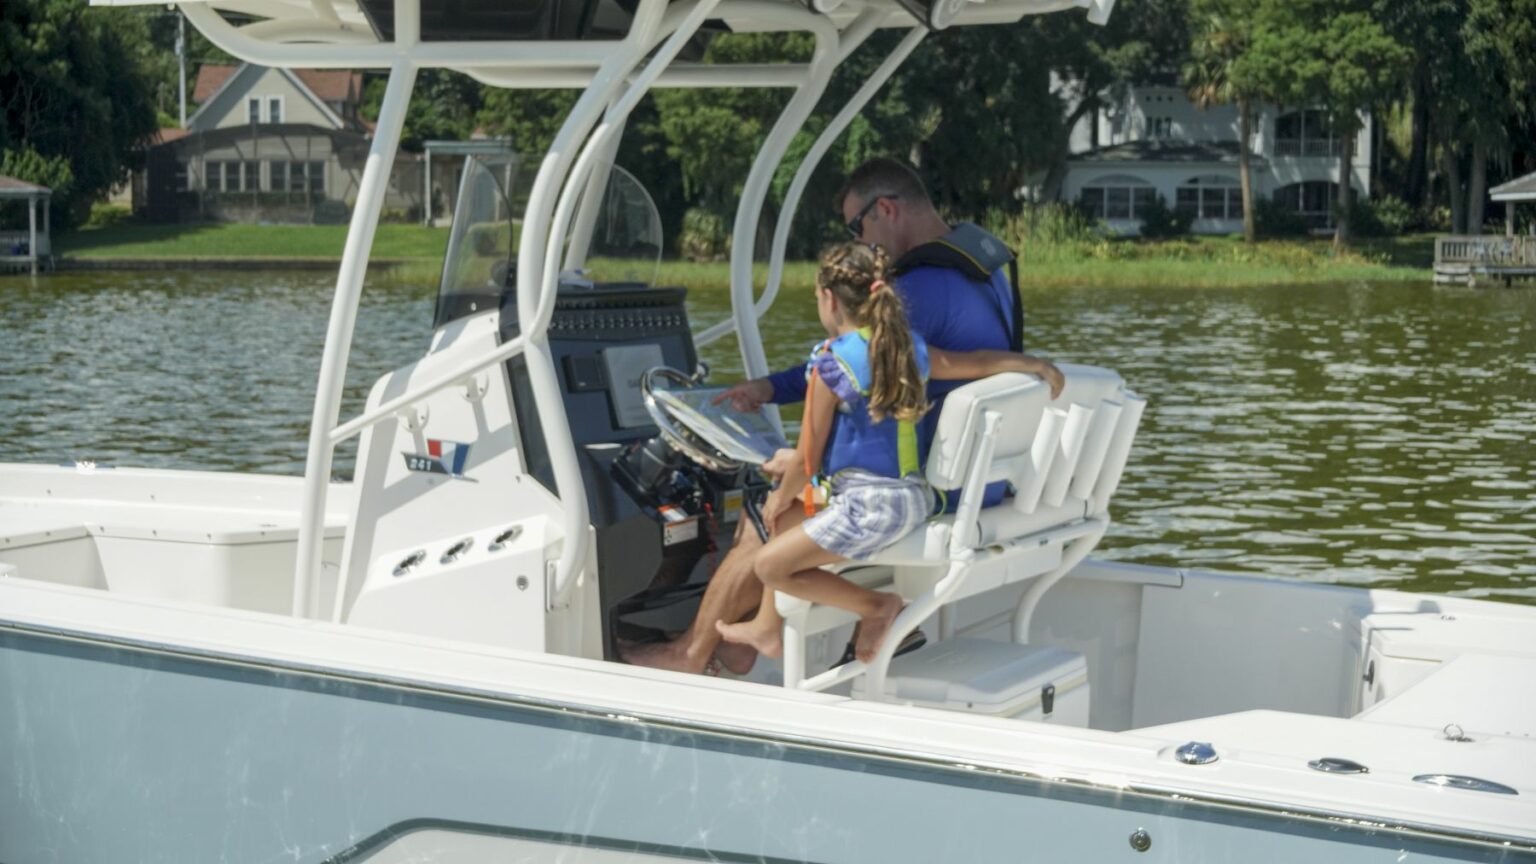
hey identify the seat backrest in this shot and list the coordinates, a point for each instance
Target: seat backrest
(1042, 446)
(1020, 399)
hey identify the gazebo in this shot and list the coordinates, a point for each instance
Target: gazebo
(20, 249)
(1491, 258)
(1518, 190)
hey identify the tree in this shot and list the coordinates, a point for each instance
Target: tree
(73, 86)
(1219, 37)
(1331, 54)
(443, 106)
(1092, 63)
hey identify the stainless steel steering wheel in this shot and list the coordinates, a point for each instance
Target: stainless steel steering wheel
(674, 428)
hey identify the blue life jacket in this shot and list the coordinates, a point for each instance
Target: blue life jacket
(888, 448)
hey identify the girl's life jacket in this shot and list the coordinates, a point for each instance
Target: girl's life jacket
(888, 448)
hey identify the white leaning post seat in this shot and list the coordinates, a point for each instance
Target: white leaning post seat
(1064, 459)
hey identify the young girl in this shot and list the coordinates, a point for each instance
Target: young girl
(866, 393)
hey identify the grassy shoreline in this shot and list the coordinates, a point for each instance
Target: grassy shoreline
(1189, 261)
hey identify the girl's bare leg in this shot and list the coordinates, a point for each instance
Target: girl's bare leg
(789, 563)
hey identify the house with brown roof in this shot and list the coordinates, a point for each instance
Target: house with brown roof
(268, 145)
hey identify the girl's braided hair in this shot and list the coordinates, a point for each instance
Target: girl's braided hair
(857, 276)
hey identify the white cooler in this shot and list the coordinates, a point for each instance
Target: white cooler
(998, 679)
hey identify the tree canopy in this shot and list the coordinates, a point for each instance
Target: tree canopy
(76, 98)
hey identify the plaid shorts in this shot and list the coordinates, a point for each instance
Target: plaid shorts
(867, 513)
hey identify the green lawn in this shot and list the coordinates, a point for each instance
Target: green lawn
(393, 241)
(1190, 261)
(1219, 261)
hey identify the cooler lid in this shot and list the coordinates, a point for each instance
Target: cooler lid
(981, 672)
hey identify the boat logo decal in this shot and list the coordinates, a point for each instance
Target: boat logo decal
(442, 457)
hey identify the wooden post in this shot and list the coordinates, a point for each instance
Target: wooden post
(47, 232)
(32, 232)
(427, 182)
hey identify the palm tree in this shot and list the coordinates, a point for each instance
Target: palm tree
(1218, 38)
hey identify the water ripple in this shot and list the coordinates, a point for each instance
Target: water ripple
(1367, 434)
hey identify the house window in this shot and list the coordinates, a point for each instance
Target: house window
(1117, 197)
(277, 176)
(252, 176)
(307, 175)
(1306, 133)
(182, 179)
(1313, 199)
(1160, 127)
(274, 109)
(253, 110)
(215, 176)
(1211, 198)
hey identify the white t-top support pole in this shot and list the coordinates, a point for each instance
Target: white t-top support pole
(851, 38)
(824, 59)
(533, 309)
(592, 197)
(819, 149)
(338, 336)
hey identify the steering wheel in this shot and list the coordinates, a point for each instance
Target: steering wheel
(677, 427)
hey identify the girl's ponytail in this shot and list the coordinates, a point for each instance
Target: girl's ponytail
(856, 274)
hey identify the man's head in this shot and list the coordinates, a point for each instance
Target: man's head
(884, 203)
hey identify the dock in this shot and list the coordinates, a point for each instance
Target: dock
(1471, 260)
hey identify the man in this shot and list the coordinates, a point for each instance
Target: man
(954, 284)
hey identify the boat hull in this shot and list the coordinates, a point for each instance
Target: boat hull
(117, 750)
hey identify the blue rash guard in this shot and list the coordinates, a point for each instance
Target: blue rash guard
(951, 313)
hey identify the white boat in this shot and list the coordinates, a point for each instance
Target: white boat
(417, 665)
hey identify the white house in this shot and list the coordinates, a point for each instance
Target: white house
(1155, 142)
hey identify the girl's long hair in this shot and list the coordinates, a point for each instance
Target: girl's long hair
(857, 276)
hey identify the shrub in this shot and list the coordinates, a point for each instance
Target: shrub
(1160, 222)
(1387, 216)
(1394, 214)
(328, 212)
(108, 215)
(704, 236)
(1053, 224)
(1271, 219)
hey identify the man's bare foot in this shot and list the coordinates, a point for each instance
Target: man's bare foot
(671, 655)
(769, 641)
(737, 659)
(873, 628)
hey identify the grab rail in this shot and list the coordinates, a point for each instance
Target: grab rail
(405, 55)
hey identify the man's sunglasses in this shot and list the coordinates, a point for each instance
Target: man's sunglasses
(855, 225)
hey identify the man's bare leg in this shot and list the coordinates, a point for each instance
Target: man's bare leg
(733, 593)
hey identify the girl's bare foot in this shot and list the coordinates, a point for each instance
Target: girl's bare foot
(768, 640)
(872, 629)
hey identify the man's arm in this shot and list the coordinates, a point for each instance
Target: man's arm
(969, 365)
(780, 388)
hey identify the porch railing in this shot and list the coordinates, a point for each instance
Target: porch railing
(1486, 251)
(13, 243)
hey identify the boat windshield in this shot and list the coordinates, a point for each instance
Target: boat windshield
(622, 239)
(482, 247)
(625, 245)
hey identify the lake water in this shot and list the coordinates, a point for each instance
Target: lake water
(1369, 434)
